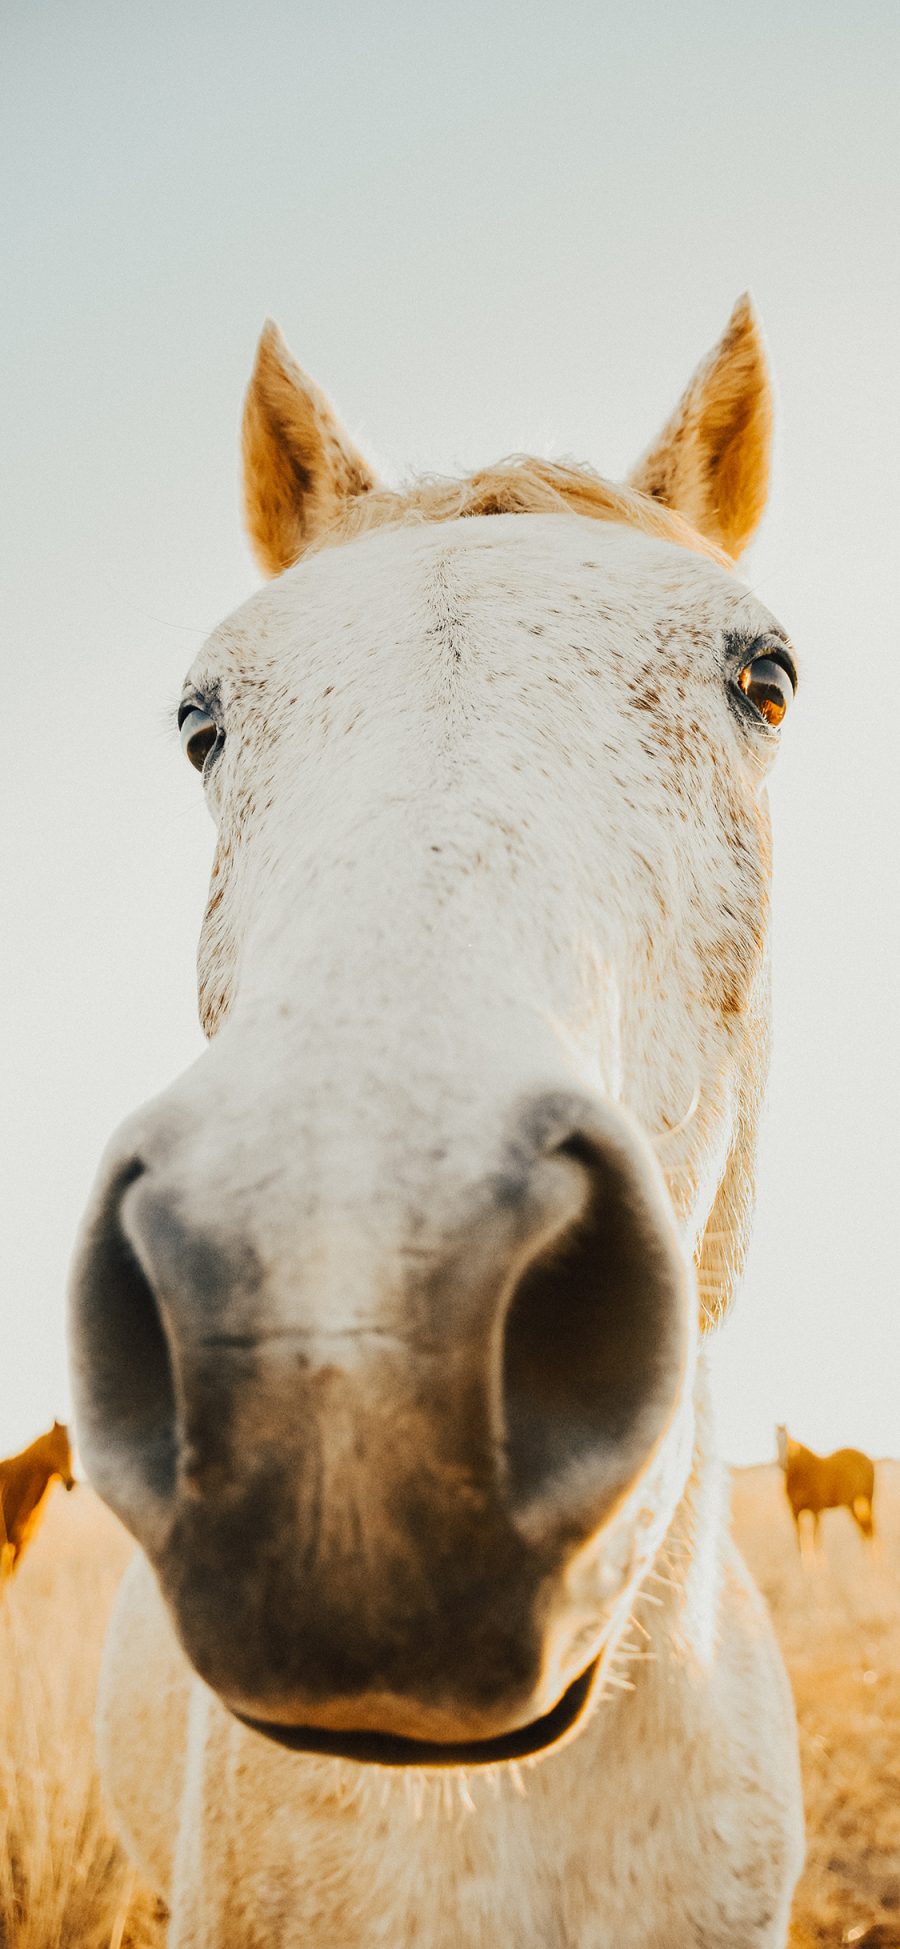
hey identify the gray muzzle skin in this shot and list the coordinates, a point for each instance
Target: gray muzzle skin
(364, 1548)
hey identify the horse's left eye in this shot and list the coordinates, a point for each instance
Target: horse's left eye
(768, 684)
(199, 732)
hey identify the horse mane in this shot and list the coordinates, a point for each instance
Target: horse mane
(521, 484)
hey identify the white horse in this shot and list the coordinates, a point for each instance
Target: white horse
(387, 1316)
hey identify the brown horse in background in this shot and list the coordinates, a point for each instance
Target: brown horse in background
(24, 1481)
(813, 1482)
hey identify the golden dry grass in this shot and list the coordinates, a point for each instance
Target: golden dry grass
(65, 1885)
(838, 1619)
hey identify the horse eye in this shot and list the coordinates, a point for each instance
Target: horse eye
(769, 686)
(199, 733)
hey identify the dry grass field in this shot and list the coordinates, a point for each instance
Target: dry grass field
(64, 1884)
(63, 1881)
(838, 1619)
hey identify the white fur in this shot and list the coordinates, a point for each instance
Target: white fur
(489, 824)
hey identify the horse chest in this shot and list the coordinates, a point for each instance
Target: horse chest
(22, 1495)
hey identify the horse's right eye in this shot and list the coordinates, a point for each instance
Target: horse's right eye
(769, 685)
(199, 733)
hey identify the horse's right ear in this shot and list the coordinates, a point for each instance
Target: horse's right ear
(711, 461)
(300, 467)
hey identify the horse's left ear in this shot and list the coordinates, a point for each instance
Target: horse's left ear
(711, 462)
(300, 467)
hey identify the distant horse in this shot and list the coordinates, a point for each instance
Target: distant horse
(24, 1482)
(813, 1482)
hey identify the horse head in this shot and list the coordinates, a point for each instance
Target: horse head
(385, 1315)
(59, 1453)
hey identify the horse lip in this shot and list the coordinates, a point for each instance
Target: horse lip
(390, 1749)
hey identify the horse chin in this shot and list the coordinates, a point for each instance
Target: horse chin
(545, 1734)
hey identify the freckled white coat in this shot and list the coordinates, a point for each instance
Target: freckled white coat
(582, 889)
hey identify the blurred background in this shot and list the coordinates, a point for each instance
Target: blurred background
(483, 230)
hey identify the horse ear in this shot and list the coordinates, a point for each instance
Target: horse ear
(300, 467)
(711, 461)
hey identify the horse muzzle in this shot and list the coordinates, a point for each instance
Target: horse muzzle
(366, 1537)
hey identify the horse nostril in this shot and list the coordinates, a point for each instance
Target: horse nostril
(122, 1364)
(594, 1341)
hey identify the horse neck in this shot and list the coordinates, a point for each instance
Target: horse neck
(797, 1453)
(39, 1456)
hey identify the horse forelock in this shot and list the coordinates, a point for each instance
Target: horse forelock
(521, 484)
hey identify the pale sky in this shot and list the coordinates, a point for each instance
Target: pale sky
(484, 229)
